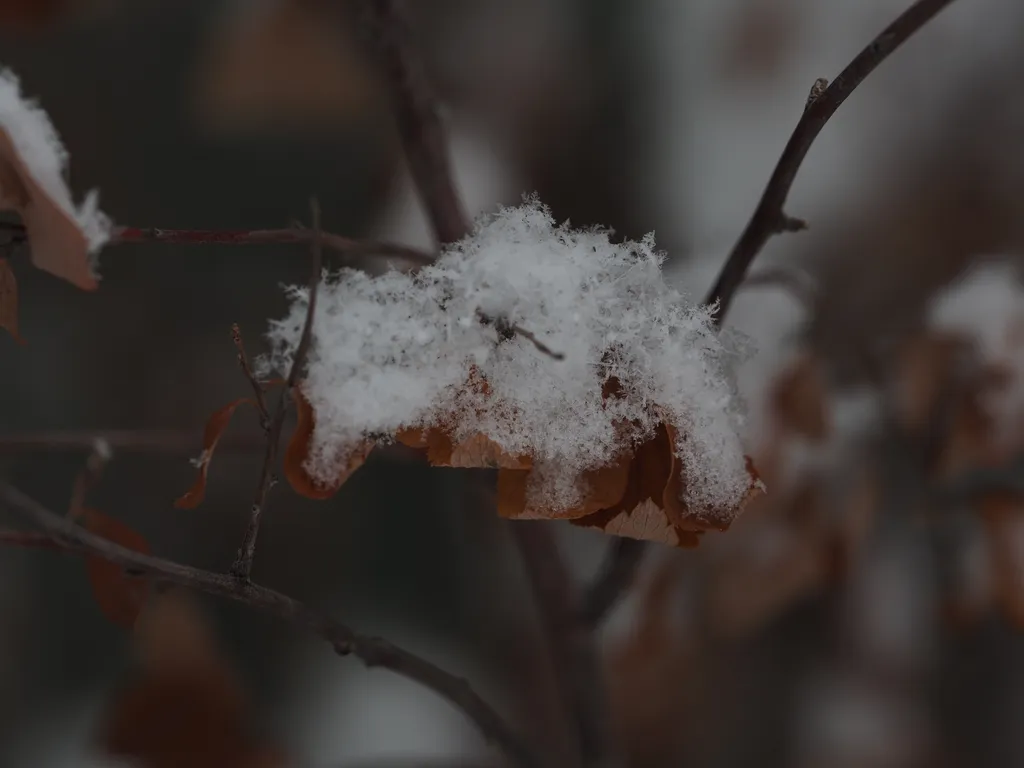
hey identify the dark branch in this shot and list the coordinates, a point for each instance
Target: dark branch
(257, 387)
(343, 245)
(139, 441)
(372, 651)
(242, 567)
(769, 218)
(416, 114)
(571, 641)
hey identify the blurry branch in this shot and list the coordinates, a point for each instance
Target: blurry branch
(15, 233)
(343, 245)
(242, 567)
(418, 122)
(136, 441)
(63, 534)
(573, 651)
(613, 579)
(768, 219)
(570, 642)
(250, 375)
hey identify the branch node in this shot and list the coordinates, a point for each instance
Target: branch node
(817, 90)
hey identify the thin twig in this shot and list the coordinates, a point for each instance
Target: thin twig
(373, 651)
(571, 642)
(416, 113)
(133, 440)
(89, 476)
(507, 330)
(767, 220)
(257, 387)
(343, 245)
(242, 567)
(29, 540)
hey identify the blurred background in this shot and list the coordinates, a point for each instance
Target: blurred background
(849, 619)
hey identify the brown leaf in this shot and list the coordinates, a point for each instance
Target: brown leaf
(184, 704)
(57, 241)
(120, 596)
(601, 488)
(215, 427)
(297, 453)
(9, 300)
(286, 66)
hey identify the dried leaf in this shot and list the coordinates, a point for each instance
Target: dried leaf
(215, 427)
(185, 705)
(120, 596)
(297, 453)
(61, 236)
(285, 66)
(9, 300)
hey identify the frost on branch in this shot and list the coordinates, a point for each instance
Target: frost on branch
(62, 236)
(428, 357)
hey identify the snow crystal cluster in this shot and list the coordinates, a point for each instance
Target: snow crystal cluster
(399, 351)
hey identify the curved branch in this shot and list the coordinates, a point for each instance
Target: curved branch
(768, 218)
(619, 569)
(372, 651)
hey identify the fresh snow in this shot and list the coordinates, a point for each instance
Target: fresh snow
(397, 351)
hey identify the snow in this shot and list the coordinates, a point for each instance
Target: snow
(399, 351)
(40, 149)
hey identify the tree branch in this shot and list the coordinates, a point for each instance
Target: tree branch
(416, 114)
(768, 219)
(372, 651)
(343, 245)
(574, 654)
(242, 567)
(137, 441)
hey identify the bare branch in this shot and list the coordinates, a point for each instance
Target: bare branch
(242, 567)
(138, 441)
(768, 218)
(614, 578)
(571, 642)
(373, 651)
(416, 114)
(257, 387)
(343, 245)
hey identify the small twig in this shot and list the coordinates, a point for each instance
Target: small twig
(136, 441)
(29, 540)
(416, 114)
(343, 245)
(89, 476)
(242, 567)
(257, 387)
(507, 330)
(570, 640)
(373, 651)
(768, 218)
